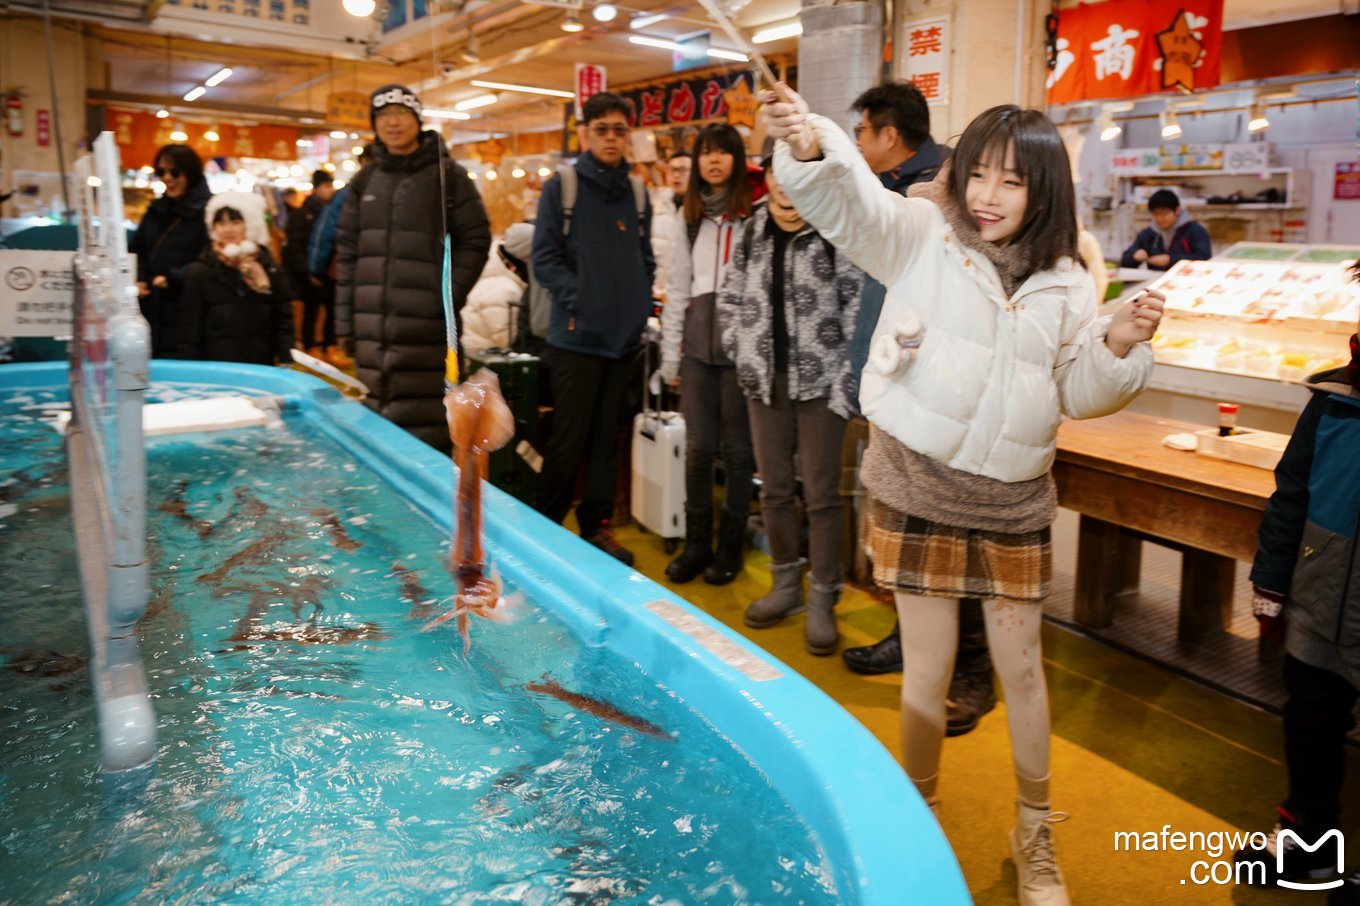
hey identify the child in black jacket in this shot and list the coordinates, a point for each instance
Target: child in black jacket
(1172, 237)
(1307, 592)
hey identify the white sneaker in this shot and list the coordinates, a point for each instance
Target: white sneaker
(1037, 877)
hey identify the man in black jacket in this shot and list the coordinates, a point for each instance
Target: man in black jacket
(389, 261)
(317, 295)
(596, 262)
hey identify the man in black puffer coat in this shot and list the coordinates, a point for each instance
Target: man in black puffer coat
(389, 261)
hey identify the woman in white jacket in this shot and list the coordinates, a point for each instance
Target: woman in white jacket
(716, 204)
(987, 338)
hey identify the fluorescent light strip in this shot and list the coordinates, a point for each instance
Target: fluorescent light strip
(727, 55)
(550, 92)
(446, 114)
(472, 103)
(196, 93)
(644, 21)
(218, 77)
(777, 33)
(653, 42)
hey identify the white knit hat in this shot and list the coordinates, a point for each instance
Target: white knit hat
(252, 209)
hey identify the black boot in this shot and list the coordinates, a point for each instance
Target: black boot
(881, 657)
(698, 551)
(727, 562)
(971, 695)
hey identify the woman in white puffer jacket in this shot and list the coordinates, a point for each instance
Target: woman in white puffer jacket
(987, 338)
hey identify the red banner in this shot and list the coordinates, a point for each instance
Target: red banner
(139, 135)
(1129, 48)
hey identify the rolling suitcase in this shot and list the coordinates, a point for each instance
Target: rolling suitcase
(658, 492)
(514, 468)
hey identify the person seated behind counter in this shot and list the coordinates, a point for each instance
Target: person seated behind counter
(1172, 237)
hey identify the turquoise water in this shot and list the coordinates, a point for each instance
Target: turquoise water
(313, 745)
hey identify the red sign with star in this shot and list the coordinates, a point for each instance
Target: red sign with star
(1130, 48)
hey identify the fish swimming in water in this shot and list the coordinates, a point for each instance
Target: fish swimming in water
(258, 552)
(479, 422)
(413, 591)
(597, 708)
(339, 536)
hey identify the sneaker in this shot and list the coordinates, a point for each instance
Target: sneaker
(880, 657)
(605, 542)
(1299, 863)
(1348, 894)
(971, 695)
(1037, 878)
(337, 357)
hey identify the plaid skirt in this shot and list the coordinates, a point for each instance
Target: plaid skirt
(921, 557)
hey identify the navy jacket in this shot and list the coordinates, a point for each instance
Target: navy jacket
(922, 167)
(1306, 546)
(1189, 242)
(599, 277)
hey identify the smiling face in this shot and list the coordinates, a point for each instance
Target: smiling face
(176, 180)
(996, 195)
(606, 137)
(397, 128)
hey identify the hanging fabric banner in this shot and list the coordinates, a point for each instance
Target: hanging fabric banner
(1130, 48)
(138, 136)
(695, 99)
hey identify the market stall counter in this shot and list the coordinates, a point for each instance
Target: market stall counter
(1129, 488)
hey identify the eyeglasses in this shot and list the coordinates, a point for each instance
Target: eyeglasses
(600, 130)
(172, 172)
(860, 127)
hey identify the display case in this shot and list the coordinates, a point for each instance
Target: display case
(1252, 324)
(1263, 206)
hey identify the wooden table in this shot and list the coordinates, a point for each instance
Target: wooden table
(1129, 488)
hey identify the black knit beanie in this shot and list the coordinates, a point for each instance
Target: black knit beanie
(388, 95)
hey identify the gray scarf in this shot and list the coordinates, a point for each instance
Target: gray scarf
(715, 201)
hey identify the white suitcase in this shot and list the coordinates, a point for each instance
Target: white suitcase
(658, 499)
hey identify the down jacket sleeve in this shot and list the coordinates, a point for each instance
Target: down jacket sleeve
(1093, 381)
(840, 196)
(677, 300)
(469, 232)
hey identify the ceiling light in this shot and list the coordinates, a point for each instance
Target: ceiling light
(653, 42)
(360, 8)
(604, 12)
(544, 172)
(357, 150)
(212, 136)
(328, 167)
(179, 135)
(777, 33)
(472, 174)
(645, 20)
(445, 114)
(727, 55)
(349, 166)
(518, 173)
(339, 134)
(196, 93)
(304, 143)
(491, 175)
(1259, 121)
(339, 184)
(162, 114)
(505, 86)
(1170, 128)
(571, 23)
(218, 77)
(472, 103)
(93, 182)
(1109, 129)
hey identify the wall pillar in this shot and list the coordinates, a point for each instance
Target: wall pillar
(840, 55)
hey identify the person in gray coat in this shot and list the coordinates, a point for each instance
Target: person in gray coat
(389, 262)
(787, 312)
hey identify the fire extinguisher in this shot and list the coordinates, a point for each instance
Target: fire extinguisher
(14, 115)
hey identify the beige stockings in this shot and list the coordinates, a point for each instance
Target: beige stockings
(930, 632)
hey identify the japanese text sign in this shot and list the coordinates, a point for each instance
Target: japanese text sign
(925, 57)
(1128, 48)
(590, 81)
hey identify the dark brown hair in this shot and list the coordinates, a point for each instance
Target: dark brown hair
(1049, 227)
(900, 105)
(719, 137)
(184, 159)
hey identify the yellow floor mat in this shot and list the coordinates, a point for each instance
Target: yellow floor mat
(1134, 748)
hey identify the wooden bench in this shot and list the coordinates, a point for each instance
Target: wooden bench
(1129, 488)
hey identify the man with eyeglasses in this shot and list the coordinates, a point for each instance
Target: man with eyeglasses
(666, 202)
(893, 134)
(594, 256)
(389, 263)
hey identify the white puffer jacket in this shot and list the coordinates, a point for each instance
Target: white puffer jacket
(664, 215)
(993, 375)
